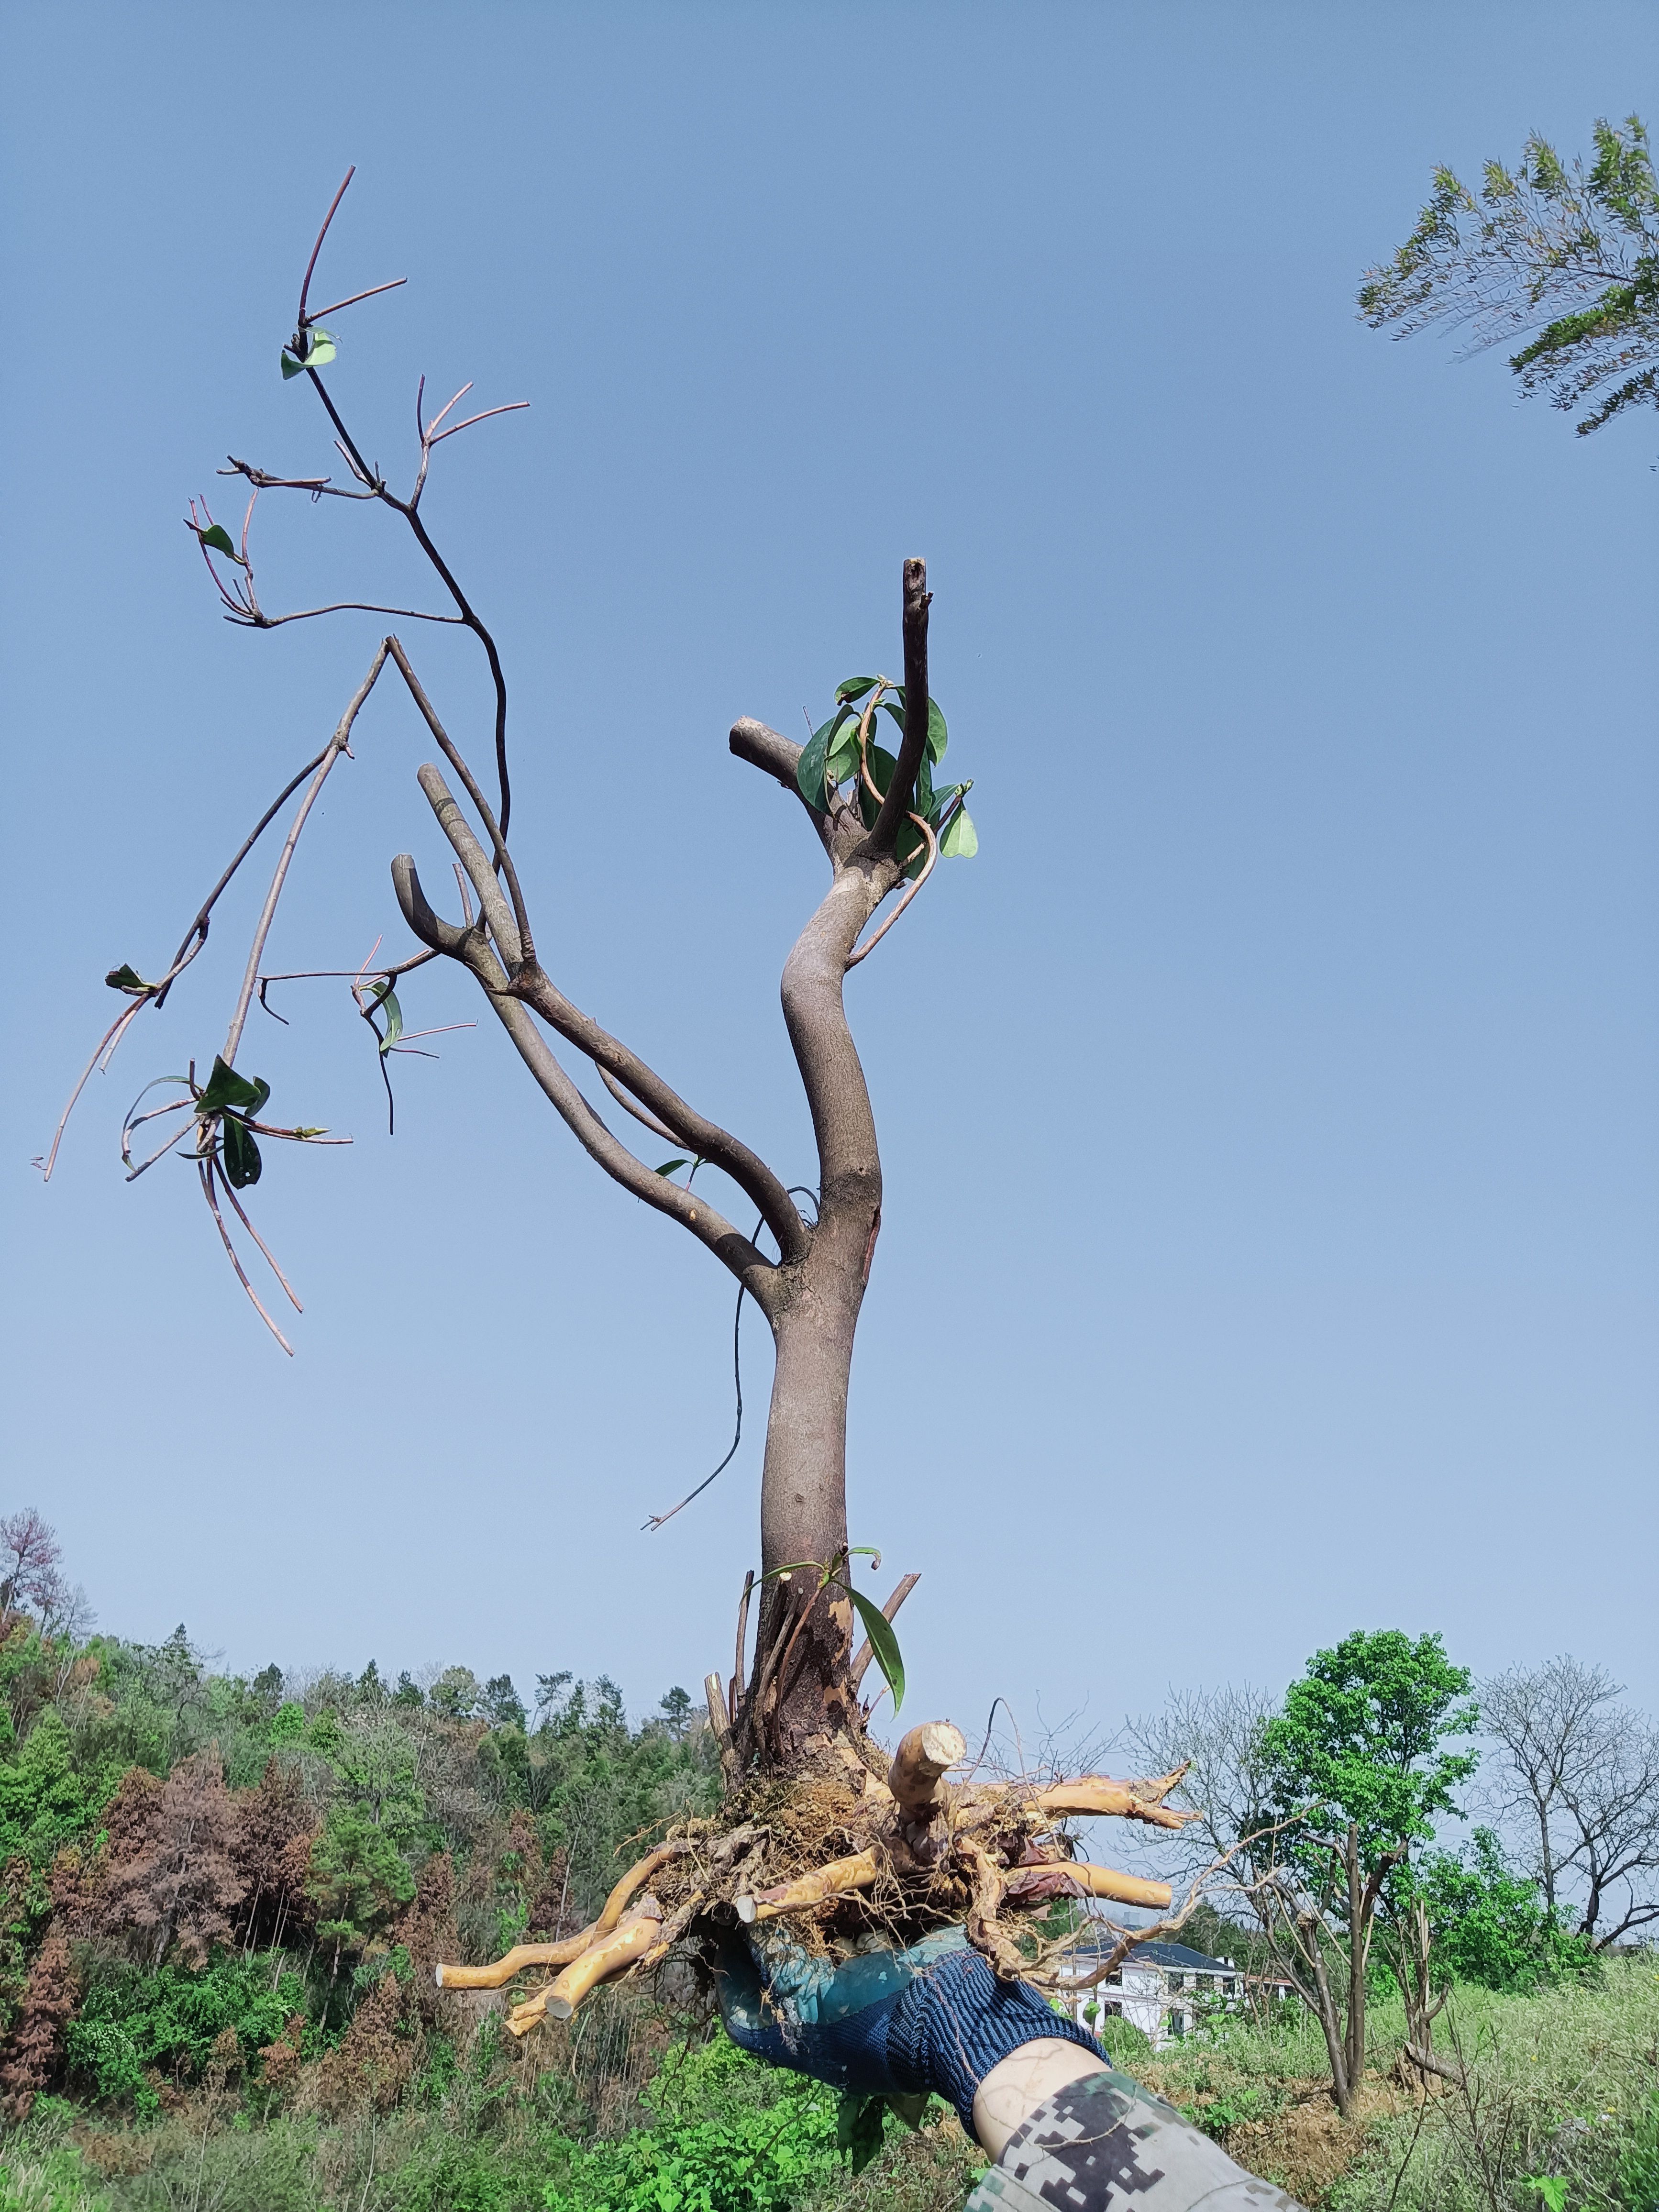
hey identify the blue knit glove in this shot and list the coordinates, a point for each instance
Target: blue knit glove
(889, 2023)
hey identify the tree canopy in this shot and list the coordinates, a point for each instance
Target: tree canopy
(1567, 253)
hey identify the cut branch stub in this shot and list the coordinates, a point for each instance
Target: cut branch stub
(923, 1757)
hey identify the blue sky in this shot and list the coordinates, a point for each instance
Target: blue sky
(1268, 1114)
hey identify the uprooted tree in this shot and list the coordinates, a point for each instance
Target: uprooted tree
(816, 1820)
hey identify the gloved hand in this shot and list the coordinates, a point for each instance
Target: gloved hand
(887, 2023)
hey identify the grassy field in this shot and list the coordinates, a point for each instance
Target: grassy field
(1562, 2085)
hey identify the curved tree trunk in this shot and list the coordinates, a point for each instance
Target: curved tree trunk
(799, 1688)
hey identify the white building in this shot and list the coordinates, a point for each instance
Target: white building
(1162, 1988)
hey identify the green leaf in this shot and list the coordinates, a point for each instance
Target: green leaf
(394, 1020)
(922, 800)
(961, 839)
(859, 2122)
(856, 686)
(240, 1157)
(909, 845)
(809, 769)
(226, 1088)
(844, 753)
(898, 712)
(938, 736)
(127, 979)
(319, 351)
(671, 1167)
(219, 539)
(883, 1642)
(882, 765)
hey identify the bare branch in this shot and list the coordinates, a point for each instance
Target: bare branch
(333, 205)
(496, 831)
(373, 292)
(631, 1106)
(335, 745)
(708, 1226)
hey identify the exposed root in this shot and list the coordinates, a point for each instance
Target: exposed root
(985, 1931)
(1092, 1795)
(601, 1961)
(858, 1872)
(849, 1859)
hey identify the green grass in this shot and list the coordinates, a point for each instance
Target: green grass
(1561, 2085)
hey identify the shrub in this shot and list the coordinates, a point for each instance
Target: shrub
(131, 2021)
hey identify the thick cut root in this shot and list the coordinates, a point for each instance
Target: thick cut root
(601, 1962)
(832, 1880)
(1092, 1795)
(502, 1971)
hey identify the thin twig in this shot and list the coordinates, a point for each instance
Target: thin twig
(106, 1043)
(260, 620)
(335, 306)
(205, 1170)
(260, 1242)
(305, 285)
(331, 751)
(863, 951)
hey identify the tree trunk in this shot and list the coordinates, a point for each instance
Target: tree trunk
(1358, 1947)
(799, 1689)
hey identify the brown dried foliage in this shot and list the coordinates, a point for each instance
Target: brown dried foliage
(171, 1877)
(275, 1827)
(35, 2049)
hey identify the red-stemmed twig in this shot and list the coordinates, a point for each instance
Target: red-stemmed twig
(206, 1169)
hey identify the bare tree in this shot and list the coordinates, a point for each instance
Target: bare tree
(1579, 1780)
(882, 824)
(792, 1707)
(31, 1578)
(1217, 1735)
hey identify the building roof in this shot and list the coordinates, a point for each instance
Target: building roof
(1175, 1956)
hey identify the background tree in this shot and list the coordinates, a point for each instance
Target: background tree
(1577, 1778)
(1568, 253)
(275, 1825)
(1489, 1924)
(176, 1880)
(358, 1879)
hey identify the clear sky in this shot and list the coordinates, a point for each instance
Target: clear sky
(1268, 1114)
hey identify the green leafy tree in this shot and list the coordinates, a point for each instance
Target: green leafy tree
(358, 1879)
(45, 1802)
(1356, 1768)
(1568, 253)
(1489, 1924)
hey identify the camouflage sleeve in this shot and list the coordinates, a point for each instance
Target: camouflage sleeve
(1104, 2144)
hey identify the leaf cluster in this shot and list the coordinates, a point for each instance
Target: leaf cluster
(1568, 253)
(841, 756)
